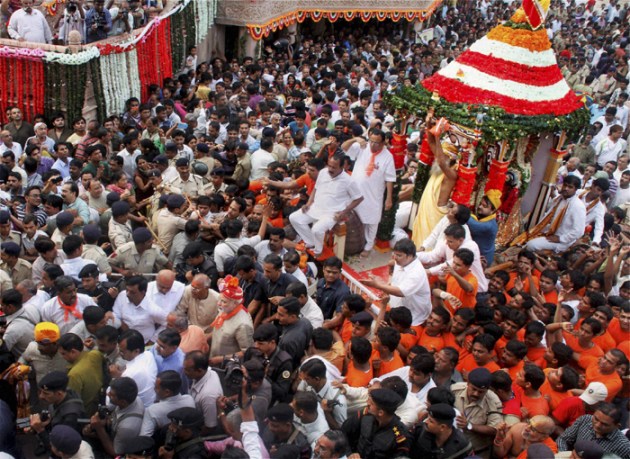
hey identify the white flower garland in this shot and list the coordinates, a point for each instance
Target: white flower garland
(133, 75)
(79, 58)
(205, 13)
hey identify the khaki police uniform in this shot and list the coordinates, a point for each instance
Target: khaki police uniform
(13, 236)
(191, 187)
(21, 271)
(127, 257)
(119, 234)
(97, 255)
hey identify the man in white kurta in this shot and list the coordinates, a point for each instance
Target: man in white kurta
(595, 208)
(373, 172)
(335, 194)
(567, 222)
(409, 285)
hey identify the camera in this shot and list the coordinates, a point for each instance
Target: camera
(102, 411)
(71, 7)
(170, 441)
(57, 179)
(44, 415)
(233, 376)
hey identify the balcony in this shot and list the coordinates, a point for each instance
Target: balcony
(263, 12)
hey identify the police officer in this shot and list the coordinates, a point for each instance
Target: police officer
(436, 437)
(280, 363)
(104, 294)
(377, 433)
(6, 234)
(280, 431)
(190, 184)
(119, 231)
(17, 268)
(183, 439)
(64, 407)
(138, 256)
(91, 249)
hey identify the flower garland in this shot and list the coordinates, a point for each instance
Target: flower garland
(94, 67)
(497, 123)
(80, 58)
(534, 40)
(21, 53)
(205, 12)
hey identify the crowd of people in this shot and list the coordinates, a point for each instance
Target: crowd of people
(168, 288)
(90, 20)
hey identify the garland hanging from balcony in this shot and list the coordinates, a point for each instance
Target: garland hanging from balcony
(260, 31)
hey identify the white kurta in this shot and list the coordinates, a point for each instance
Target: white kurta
(373, 187)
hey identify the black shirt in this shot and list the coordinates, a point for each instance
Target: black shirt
(330, 298)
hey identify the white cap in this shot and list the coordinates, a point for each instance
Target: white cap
(594, 393)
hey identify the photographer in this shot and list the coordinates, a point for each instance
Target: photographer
(183, 439)
(98, 22)
(73, 18)
(125, 420)
(122, 19)
(65, 407)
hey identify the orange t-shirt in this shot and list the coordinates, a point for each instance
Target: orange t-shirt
(614, 328)
(305, 180)
(346, 330)
(536, 355)
(612, 381)
(430, 343)
(555, 397)
(526, 288)
(469, 364)
(534, 406)
(449, 341)
(358, 378)
(277, 222)
(605, 341)
(388, 366)
(256, 186)
(468, 299)
(550, 444)
(408, 340)
(573, 343)
(551, 297)
(513, 371)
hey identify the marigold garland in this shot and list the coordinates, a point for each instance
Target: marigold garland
(534, 40)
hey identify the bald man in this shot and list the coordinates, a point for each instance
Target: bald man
(200, 303)
(513, 441)
(165, 291)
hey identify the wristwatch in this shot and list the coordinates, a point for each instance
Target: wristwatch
(469, 426)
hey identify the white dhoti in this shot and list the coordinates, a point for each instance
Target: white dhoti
(542, 243)
(312, 235)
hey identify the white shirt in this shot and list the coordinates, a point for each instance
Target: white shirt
(315, 429)
(73, 266)
(63, 168)
(621, 197)
(403, 373)
(312, 312)
(437, 235)
(52, 312)
(143, 370)
(571, 227)
(607, 150)
(32, 27)
(332, 195)
(413, 282)
(205, 393)
(228, 248)
(442, 254)
(262, 249)
(595, 215)
(146, 317)
(260, 160)
(129, 165)
(298, 274)
(373, 187)
(16, 148)
(166, 302)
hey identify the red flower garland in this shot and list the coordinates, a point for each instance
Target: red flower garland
(464, 185)
(398, 149)
(426, 155)
(154, 57)
(497, 175)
